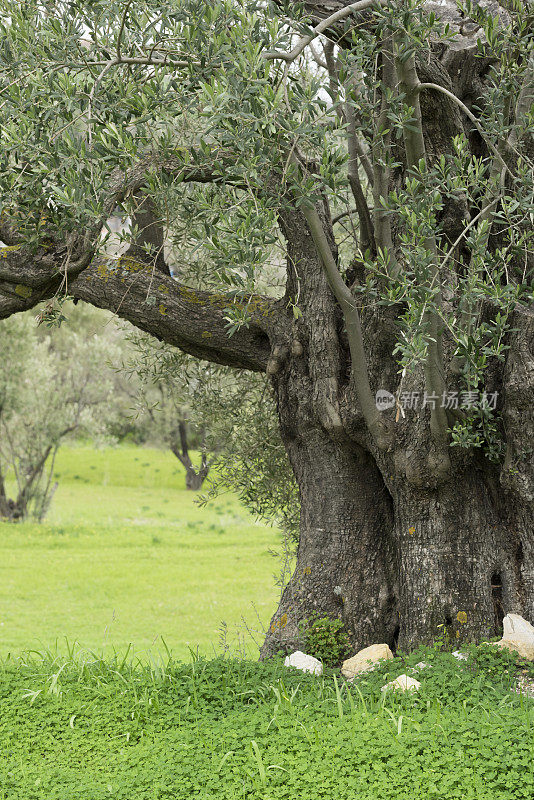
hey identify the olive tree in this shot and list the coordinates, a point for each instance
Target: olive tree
(384, 149)
(50, 388)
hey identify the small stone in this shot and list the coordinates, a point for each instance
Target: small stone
(304, 662)
(422, 665)
(365, 660)
(403, 683)
(460, 656)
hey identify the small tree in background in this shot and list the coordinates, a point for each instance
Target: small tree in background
(50, 388)
(233, 417)
(194, 476)
(169, 415)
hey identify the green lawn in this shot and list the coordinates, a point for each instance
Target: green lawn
(126, 556)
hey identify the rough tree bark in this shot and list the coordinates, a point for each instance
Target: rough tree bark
(400, 534)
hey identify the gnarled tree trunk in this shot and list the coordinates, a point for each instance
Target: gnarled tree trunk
(400, 563)
(346, 561)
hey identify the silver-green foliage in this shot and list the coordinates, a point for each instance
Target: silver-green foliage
(195, 85)
(51, 387)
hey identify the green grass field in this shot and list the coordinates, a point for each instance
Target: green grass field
(127, 556)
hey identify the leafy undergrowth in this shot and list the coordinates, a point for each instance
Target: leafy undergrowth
(82, 727)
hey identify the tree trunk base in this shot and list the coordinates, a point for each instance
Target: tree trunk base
(462, 562)
(453, 563)
(345, 561)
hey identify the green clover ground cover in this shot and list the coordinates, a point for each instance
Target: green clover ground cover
(82, 728)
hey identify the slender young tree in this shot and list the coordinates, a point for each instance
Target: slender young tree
(169, 417)
(385, 149)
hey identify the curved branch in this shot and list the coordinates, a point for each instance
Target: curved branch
(11, 303)
(192, 320)
(338, 16)
(195, 321)
(414, 145)
(351, 315)
(436, 87)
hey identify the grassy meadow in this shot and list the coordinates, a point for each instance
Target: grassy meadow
(126, 556)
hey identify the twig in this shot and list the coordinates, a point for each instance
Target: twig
(337, 16)
(468, 227)
(121, 29)
(344, 214)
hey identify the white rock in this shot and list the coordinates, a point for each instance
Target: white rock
(518, 636)
(403, 683)
(460, 656)
(515, 627)
(304, 662)
(422, 665)
(365, 660)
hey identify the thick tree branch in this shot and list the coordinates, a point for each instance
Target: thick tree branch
(149, 240)
(27, 278)
(415, 152)
(348, 305)
(192, 320)
(351, 316)
(381, 155)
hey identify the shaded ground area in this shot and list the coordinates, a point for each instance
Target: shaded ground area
(127, 556)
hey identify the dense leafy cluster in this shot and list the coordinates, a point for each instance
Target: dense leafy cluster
(325, 638)
(88, 90)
